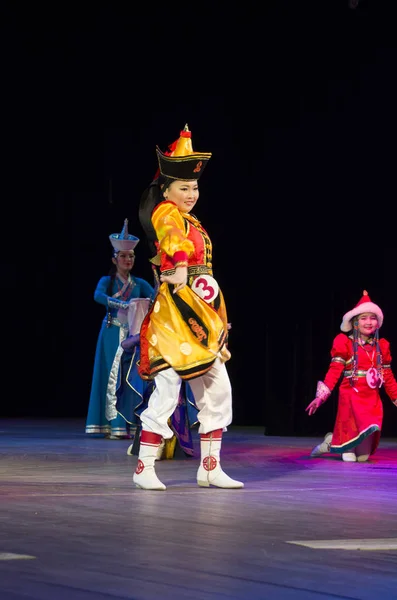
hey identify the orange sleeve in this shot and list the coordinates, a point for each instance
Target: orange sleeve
(170, 230)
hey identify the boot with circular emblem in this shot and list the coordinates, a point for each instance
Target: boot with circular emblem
(145, 476)
(210, 471)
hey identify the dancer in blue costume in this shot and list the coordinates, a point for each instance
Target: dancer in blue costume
(115, 291)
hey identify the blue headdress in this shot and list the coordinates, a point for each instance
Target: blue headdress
(123, 240)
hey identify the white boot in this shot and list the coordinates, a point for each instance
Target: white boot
(210, 470)
(322, 448)
(349, 456)
(145, 476)
(130, 449)
(160, 450)
(362, 458)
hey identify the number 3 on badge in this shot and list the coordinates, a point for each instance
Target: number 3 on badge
(372, 377)
(206, 287)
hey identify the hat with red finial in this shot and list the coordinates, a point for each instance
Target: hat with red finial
(364, 305)
(180, 161)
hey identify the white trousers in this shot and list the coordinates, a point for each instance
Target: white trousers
(212, 393)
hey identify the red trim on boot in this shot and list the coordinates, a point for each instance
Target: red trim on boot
(151, 439)
(212, 435)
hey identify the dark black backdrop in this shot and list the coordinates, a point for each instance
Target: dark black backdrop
(296, 101)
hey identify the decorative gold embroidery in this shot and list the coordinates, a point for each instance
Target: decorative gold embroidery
(359, 373)
(192, 270)
(339, 360)
(197, 329)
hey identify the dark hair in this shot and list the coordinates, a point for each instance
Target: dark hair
(112, 274)
(152, 196)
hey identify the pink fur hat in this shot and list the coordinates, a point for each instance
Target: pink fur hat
(364, 306)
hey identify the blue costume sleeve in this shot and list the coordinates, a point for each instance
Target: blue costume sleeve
(101, 296)
(147, 291)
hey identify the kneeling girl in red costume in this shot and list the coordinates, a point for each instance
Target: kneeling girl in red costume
(364, 359)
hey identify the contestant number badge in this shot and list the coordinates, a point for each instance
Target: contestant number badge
(206, 287)
(373, 379)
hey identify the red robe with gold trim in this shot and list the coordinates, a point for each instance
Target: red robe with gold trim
(360, 409)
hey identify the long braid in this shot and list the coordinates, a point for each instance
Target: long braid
(355, 353)
(379, 366)
(112, 274)
(150, 198)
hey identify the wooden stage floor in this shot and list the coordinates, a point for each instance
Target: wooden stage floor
(73, 526)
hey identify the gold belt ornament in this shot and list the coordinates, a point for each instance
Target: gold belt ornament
(359, 373)
(116, 322)
(191, 271)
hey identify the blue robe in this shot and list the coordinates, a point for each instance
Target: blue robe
(102, 417)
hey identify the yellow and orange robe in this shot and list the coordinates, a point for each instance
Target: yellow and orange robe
(360, 409)
(181, 330)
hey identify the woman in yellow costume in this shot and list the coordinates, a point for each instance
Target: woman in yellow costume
(184, 335)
